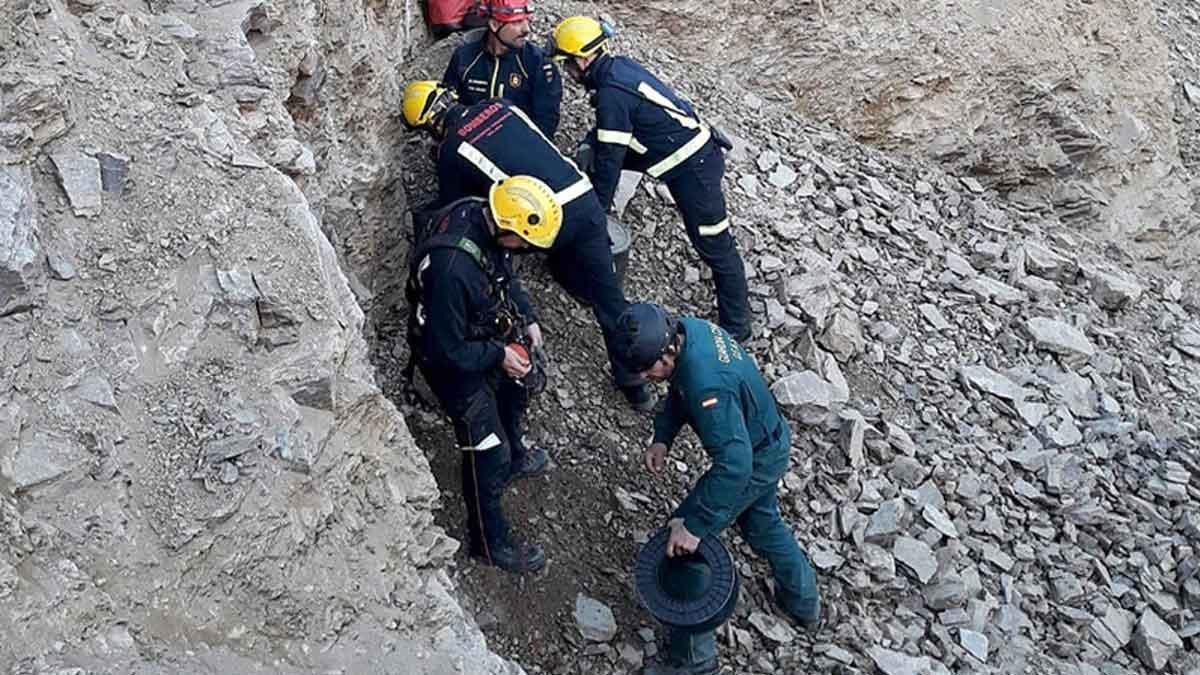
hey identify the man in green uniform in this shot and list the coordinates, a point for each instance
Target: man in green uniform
(716, 388)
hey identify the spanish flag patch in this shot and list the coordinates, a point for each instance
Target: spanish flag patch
(708, 402)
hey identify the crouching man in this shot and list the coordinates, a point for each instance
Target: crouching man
(471, 320)
(716, 388)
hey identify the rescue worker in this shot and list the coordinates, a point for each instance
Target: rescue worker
(642, 126)
(488, 141)
(503, 63)
(474, 311)
(716, 388)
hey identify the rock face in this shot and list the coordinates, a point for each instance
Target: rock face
(1065, 108)
(198, 472)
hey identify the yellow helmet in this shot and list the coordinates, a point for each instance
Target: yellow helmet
(526, 207)
(579, 36)
(424, 101)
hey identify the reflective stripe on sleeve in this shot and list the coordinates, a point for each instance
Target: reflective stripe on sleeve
(614, 137)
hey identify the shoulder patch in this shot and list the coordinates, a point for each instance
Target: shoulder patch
(708, 402)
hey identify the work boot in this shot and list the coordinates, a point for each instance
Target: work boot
(670, 667)
(817, 621)
(535, 462)
(513, 556)
(640, 398)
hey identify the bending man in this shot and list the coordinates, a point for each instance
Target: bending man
(717, 389)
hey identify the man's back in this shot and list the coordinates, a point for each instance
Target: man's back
(490, 140)
(641, 125)
(714, 371)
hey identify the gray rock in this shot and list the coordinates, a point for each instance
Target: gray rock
(1114, 629)
(783, 176)
(1049, 264)
(805, 393)
(749, 185)
(1067, 589)
(812, 293)
(908, 471)
(238, 287)
(1111, 289)
(1060, 338)
(851, 437)
(113, 170)
(19, 247)
(989, 381)
(772, 628)
(886, 521)
(946, 594)
(61, 267)
(938, 519)
(293, 158)
(916, 556)
(594, 619)
(988, 289)
(844, 197)
(1188, 342)
(897, 663)
(1032, 413)
(79, 175)
(843, 336)
(974, 642)
(1154, 641)
(934, 316)
(39, 458)
(631, 656)
(767, 160)
(878, 561)
(96, 390)
(1002, 560)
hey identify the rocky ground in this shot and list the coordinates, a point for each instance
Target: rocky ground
(995, 451)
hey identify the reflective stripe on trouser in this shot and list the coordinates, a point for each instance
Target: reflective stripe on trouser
(585, 270)
(481, 412)
(696, 189)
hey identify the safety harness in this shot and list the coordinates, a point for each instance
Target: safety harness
(429, 234)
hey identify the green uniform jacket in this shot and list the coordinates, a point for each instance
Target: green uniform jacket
(718, 390)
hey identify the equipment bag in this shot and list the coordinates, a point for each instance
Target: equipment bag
(447, 16)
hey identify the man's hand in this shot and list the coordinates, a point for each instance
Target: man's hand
(681, 542)
(534, 332)
(656, 457)
(516, 363)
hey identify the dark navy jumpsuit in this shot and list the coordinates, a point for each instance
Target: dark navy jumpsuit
(525, 77)
(641, 125)
(460, 355)
(718, 390)
(492, 140)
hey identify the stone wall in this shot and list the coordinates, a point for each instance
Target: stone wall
(197, 470)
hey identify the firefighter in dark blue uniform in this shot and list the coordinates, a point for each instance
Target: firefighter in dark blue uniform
(487, 141)
(716, 388)
(503, 63)
(471, 317)
(641, 125)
